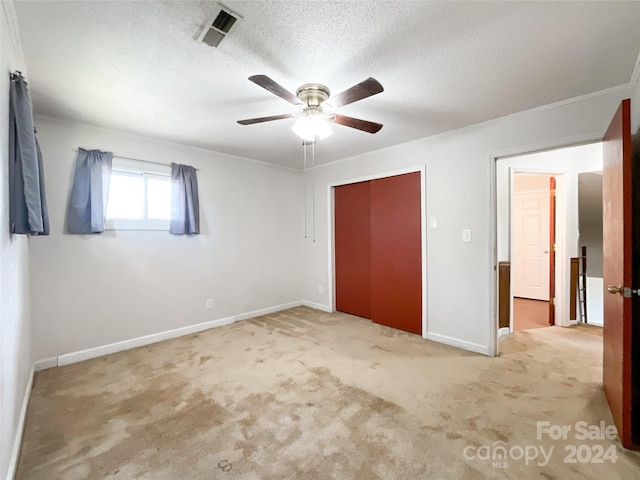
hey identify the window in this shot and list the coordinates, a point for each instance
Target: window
(139, 196)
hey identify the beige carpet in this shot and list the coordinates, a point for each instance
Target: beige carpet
(307, 395)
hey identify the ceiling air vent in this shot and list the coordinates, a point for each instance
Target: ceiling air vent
(218, 26)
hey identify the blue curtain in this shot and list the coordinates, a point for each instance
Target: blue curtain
(185, 207)
(88, 200)
(28, 213)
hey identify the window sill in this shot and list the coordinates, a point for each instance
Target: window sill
(137, 225)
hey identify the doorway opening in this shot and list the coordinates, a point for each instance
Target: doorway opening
(537, 239)
(532, 266)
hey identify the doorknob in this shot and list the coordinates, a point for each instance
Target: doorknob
(614, 289)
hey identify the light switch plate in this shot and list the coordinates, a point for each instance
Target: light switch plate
(433, 222)
(466, 235)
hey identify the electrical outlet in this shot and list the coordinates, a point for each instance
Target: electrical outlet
(320, 289)
(466, 235)
(209, 303)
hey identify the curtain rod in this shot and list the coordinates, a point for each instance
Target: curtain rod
(138, 160)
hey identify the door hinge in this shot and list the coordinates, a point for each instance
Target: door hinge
(553, 192)
(552, 301)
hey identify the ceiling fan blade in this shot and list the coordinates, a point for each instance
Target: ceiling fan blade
(251, 121)
(275, 88)
(364, 89)
(364, 125)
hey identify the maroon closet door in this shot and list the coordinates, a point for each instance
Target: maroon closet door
(353, 249)
(396, 253)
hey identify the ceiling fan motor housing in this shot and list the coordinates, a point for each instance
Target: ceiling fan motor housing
(313, 94)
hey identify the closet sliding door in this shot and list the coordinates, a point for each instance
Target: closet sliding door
(378, 251)
(353, 249)
(396, 264)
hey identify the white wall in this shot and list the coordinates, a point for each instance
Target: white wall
(635, 102)
(15, 329)
(459, 177)
(595, 301)
(89, 291)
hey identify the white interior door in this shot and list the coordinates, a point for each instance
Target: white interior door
(530, 266)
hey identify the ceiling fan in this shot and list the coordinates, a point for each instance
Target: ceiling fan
(317, 107)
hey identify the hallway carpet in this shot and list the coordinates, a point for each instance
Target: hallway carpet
(302, 394)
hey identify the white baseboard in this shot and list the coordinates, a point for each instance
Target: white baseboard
(504, 331)
(45, 363)
(82, 355)
(17, 443)
(454, 342)
(266, 311)
(100, 351)
(317, 306)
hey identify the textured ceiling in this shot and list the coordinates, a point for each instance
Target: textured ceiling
(136, 66)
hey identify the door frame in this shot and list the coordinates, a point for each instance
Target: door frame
(492, 270)
(331, 290)
(562, 259)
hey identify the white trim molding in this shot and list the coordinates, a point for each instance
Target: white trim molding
(422, 170)
(17, 442)
(100, 351)
(454, 342)
(45, 363)
(266, 311)
(89, 353)
(317, 306)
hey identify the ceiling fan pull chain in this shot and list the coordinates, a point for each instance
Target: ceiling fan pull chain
(313, 191)
(304, 155)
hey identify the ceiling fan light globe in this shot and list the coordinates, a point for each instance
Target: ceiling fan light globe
(302, 129)
(312, 126)
(320, 126)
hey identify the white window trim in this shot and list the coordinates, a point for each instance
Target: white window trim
(121, 165)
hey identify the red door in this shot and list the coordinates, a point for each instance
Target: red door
(396, 251)
(353, 249)
(617, 266)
